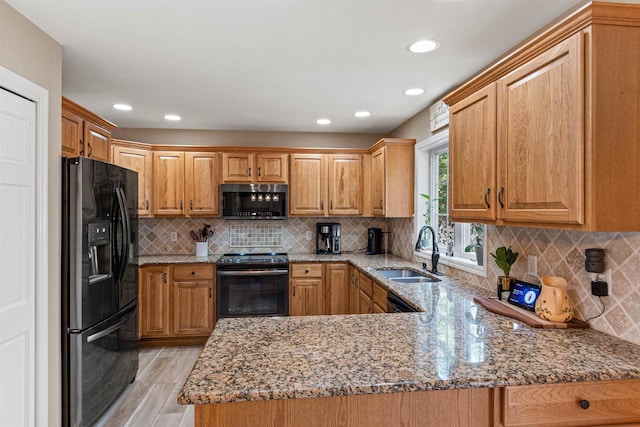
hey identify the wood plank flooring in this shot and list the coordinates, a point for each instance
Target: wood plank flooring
(152, 398)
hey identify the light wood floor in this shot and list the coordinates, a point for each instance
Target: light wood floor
(152, 398)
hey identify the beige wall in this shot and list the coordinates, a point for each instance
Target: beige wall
(29, 52)
(247, 138)
(417, 127)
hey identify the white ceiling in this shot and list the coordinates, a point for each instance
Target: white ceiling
(276, 65)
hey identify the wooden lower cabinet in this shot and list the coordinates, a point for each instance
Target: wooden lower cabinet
(445, 408)
(366, 294)
(379, 299)
(153, 309)
(306, 290)
(572, 404)
(336, 288)
(177, 301)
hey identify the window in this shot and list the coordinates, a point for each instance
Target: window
(456, 241)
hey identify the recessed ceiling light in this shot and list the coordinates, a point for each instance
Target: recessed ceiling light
(362, 114)
(123, 107)
(172, 117)
(414, 91)
(323, 121)
(423, 46)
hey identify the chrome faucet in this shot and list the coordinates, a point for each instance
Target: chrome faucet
(435, 252)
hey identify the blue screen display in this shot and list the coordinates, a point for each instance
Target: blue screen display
(524, 295)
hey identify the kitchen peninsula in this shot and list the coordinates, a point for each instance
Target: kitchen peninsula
(451, 364)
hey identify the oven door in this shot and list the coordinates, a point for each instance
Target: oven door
(252, 292)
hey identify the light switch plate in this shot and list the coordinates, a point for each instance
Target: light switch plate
(307, 235)
(532, 267)
(174, 236)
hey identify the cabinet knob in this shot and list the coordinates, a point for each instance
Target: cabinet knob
(306, 271)
(193, 273)
(584, 404)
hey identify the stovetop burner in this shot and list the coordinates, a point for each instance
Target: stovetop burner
(254, 258)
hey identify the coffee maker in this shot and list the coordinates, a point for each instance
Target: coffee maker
(328, 238)
(374, 241)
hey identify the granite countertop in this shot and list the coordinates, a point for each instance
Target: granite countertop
(452, 343)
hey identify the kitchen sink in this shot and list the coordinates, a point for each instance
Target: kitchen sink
(406, 275)
(416, 279)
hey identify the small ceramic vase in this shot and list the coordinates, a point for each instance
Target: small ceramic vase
(553, 303)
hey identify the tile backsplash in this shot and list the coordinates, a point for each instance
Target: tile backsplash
(561, 253)
(249, 236)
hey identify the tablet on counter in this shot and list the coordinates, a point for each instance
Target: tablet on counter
(524, 295)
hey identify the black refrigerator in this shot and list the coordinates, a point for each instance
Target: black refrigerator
(99, 287)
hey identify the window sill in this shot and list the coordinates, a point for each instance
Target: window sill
(463, 264)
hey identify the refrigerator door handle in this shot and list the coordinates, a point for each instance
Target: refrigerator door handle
(98, 335)
(121, 268)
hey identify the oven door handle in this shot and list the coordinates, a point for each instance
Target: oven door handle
(253, 273)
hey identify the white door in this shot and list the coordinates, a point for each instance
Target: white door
(17, 260)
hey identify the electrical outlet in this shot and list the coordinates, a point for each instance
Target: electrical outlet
(532, 265)
(307, 235)
(174, 236)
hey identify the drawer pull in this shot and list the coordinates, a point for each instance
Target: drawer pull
(486, 198)
(584, 404)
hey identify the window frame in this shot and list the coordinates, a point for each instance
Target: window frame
(425, 182)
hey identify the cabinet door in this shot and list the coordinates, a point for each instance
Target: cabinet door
(354, 291)
(71, 134)
(193, 305)
(345, 179)
(140, 161)
(378, 182)
(272, 167)
(168, 183)
(472, 161)
(154, 307)
(201, 184)
(365, 303)
(237, 167)
(305, 298)
(97, 142)
(541, 137)
(308, 186)
(336, 288)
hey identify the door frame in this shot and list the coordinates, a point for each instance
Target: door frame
(29, 90)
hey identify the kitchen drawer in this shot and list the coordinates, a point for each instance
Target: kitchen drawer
(606, 402)
(366, 285)
(306, 270)
(193, 272)
(379, 296)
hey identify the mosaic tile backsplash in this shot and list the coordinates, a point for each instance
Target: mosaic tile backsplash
(249, 236)
(561, 253)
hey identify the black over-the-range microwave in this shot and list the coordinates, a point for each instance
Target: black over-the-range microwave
(253, 201)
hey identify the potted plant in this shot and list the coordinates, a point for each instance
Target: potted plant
(477, 246)
(430, 204)
(505, 258)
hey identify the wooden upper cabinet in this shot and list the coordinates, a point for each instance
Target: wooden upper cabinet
(378, 182)
(541, 137)
(272, 167)
(201, 184)
(237, 167)
(472, 157)
(141, 161)
(392, 177)
(322, 185)
(307, 187)
(84, 133)
(97, 142)
(567, 126)
(72, 134)
(345, 184)
(168, 183)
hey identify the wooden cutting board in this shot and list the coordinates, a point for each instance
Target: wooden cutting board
(528, 317)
